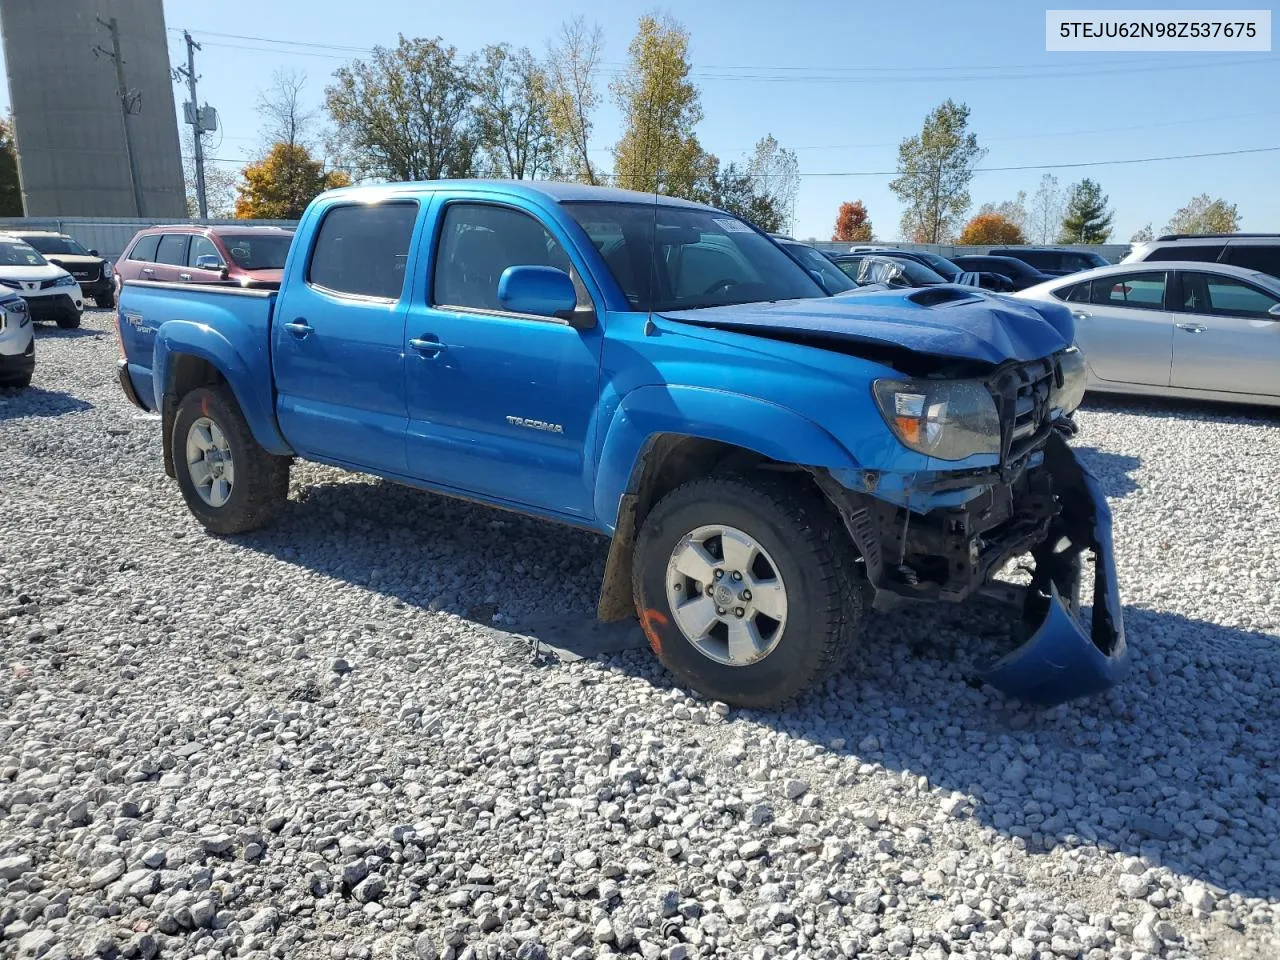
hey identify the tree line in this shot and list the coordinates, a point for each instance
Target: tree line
(423, 110)
(936, 168)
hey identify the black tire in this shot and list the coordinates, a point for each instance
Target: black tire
(68, 321)
(807, 544)
(261, 480)
(106, 301)
(17, 383)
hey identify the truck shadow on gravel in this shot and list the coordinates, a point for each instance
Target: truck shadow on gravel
(50, 332)
(1180, 765)
(1196, 410)
(1112, 470)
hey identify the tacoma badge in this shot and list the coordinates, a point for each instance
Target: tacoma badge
(536, 424)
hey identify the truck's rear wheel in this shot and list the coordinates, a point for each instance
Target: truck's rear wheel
(744, 589)
(230, 483)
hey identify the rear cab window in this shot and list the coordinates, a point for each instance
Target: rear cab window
(362, 250)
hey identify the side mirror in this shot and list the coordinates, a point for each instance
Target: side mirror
(537, 291)
(1274, 311)
(208, 261)
(92, 252)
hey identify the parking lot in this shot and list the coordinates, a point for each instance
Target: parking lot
(332, 739)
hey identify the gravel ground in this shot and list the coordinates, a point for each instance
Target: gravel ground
(330, 740)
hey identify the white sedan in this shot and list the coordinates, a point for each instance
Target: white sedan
(1206, 331)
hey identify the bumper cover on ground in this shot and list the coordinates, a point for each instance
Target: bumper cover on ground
(1064, 659)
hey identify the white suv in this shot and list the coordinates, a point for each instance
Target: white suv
(1253, 251)
(17, 342)
(51, 292)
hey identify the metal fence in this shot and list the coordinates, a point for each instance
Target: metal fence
(110, 236)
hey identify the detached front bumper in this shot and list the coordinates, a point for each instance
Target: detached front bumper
(940, 549)
(1065, 659)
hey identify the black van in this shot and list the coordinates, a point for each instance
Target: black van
(1053, 261)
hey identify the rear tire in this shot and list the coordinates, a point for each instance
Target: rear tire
(801, 623)
(231, 485)
(69, 322)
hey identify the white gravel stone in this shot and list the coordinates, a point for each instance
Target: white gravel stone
(322, 741)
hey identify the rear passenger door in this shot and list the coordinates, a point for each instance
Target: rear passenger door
(171, 258)
(337, 337)
(1125, 330)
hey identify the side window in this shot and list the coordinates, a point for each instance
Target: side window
(1256, 257)
(172, 249)
(1225, 297)
(1142, 290)
(201, 246)
(362, 250)
(1204, 252)
(478, 241)
(144, 251)
(1076, 293)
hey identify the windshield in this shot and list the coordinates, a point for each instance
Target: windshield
(915, 273)
(258, 253)
(15, 253)
(833, 278)
(941, 266)
(58, 245)
(701, 258)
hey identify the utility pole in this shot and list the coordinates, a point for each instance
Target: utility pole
(127, 104)
(196, 125)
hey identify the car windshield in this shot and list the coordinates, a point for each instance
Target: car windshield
(15, 253)
(698, 258)
(57, 245)
(258, 253)
(941, 266)
(833, 278)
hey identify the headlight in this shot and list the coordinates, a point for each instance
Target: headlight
(947, 419)
(1067, 397)
(67, 281)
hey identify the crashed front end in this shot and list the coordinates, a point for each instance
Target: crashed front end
(942, 534)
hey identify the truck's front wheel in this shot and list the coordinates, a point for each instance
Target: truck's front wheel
(230, 483)
(744, 589)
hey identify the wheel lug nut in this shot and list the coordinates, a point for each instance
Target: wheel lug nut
(738, 611)
(737, 575)
(719, 574)
(746, 594)
(720, 611)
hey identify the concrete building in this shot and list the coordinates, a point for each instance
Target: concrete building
(73, 155)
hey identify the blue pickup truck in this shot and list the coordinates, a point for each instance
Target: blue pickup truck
(768, 460)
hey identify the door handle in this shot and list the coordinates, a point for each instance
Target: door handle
(428, 346)
(1081, 315)
(1190, 327)
(184, 276)
(299, 328)
(148, 271)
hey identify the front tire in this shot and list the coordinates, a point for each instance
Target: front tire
(105, 302)
(745, 589)
(229, 482)
(69, 321)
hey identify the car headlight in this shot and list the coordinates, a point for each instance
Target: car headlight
(1069, 394)
(67, 281)
(14, 312)
(947, 419)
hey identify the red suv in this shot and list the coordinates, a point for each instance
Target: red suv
(192, 253)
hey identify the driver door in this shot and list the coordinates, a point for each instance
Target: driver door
(500, 404)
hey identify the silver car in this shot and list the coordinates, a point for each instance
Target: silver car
(1206, 331)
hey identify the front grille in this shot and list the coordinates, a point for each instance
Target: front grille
(48, 284)
(1022, 394)
(90, 273)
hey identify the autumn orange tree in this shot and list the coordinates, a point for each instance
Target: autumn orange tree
(991, 228)
(852, 224)
(281, 184)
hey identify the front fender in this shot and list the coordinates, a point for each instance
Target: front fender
(753, 424)
(252, 389)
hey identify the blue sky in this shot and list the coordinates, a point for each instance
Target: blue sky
(841, 83)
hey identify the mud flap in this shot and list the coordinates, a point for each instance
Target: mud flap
(1065, 659)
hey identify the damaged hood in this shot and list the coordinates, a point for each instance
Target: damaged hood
(944, 321)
